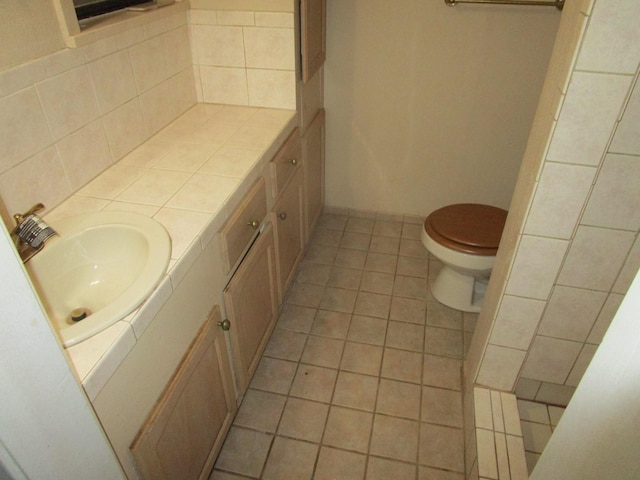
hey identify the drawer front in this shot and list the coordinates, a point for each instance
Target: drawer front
(287, 161)
(243, 225)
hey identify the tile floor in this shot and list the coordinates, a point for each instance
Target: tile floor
(361, 377)
(538, 421)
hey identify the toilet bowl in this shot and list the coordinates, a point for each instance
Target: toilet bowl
(465, 238)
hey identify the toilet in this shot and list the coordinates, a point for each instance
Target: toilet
(465, 238)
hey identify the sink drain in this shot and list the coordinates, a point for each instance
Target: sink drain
(78, 314)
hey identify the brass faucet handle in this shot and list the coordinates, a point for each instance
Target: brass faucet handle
(19, 218)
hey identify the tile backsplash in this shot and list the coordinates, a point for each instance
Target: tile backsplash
(67, 117)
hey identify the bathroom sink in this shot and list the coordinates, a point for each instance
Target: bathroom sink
(99, 268)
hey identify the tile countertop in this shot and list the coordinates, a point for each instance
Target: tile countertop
(189, 176)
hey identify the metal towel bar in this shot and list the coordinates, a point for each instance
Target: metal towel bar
(554, 3)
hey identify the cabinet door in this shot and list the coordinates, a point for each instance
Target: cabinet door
(287, 215)
(313, 158)
(185, 430)
(251, 299)
(313, 33)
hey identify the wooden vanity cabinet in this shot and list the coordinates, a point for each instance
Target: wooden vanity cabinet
(185, 430)
(313, 159)
(288, 217)
(251, 300)
(313, 28)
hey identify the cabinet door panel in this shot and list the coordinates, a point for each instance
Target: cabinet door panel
(313, 31)
(288, 218)
(313, 157)
(185, 430)
(251, 299)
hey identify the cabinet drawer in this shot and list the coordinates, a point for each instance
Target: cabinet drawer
(243, 225)
(286, 162)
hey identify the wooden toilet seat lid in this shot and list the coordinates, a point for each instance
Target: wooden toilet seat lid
(471, 224)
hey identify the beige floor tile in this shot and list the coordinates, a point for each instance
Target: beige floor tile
(331, 324)
(274, 375)
(345, 278)
(349, 258)
(305, 295)
(443, 341)
(385, 469)
(303, 420)
(338, 299)
(348, 429)
(361, 358)
(388, 245)
(408, 310)
(367, 330)
(411, 287)
(314, 383)
(399, 399)
(290, 460)
(405, 336)
(381, 262)
(323, 351)
(413, 248)
(413, 231)
(428, 473)
(296, 318)
(218, 475)
(441, 447)
(387, 229)
(395, 438)
(329, 238)
(372, 305)
(413, 267)
(356, 391)
(442, 372)
(321, 254)
(355, 241)
(360, 225)
(336, 464)
(244, 452)
(286, 345)
(402, 365)
(439, 315)
(443, 407)
(377, 282)
(260, 410)
(332, 221)
(313, 273)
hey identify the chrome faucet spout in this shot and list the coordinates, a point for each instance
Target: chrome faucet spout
(31, 232)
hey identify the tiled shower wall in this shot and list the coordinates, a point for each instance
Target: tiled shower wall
(572, 241)
(253, 61)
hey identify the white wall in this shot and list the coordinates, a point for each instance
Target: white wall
(47, 426)
(598, 436)
(428, 104)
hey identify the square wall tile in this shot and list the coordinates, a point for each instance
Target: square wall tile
(272, 88)
(536, 265)
(577, 138)
(269, 48)
(220, 46)
(147, 61)
(626, 138)
(583, 361)
(516, 322)
(615, 200)
(606, 44)
(559, 200)
(157, 107)
(551, 359)
(113, 79)
(177, 50)
(571, 313)
(595, 258)
(500, 367)
(69, 101)
(117, 125)
(605, 317)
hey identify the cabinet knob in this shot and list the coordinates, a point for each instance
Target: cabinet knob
(282, 216)
(254, 224)
(225, 324)
(293, 162)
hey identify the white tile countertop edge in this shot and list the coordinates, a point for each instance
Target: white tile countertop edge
(235, 130)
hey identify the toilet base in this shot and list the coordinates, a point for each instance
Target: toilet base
(458, 291)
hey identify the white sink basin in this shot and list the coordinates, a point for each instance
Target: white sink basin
(102, 265)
